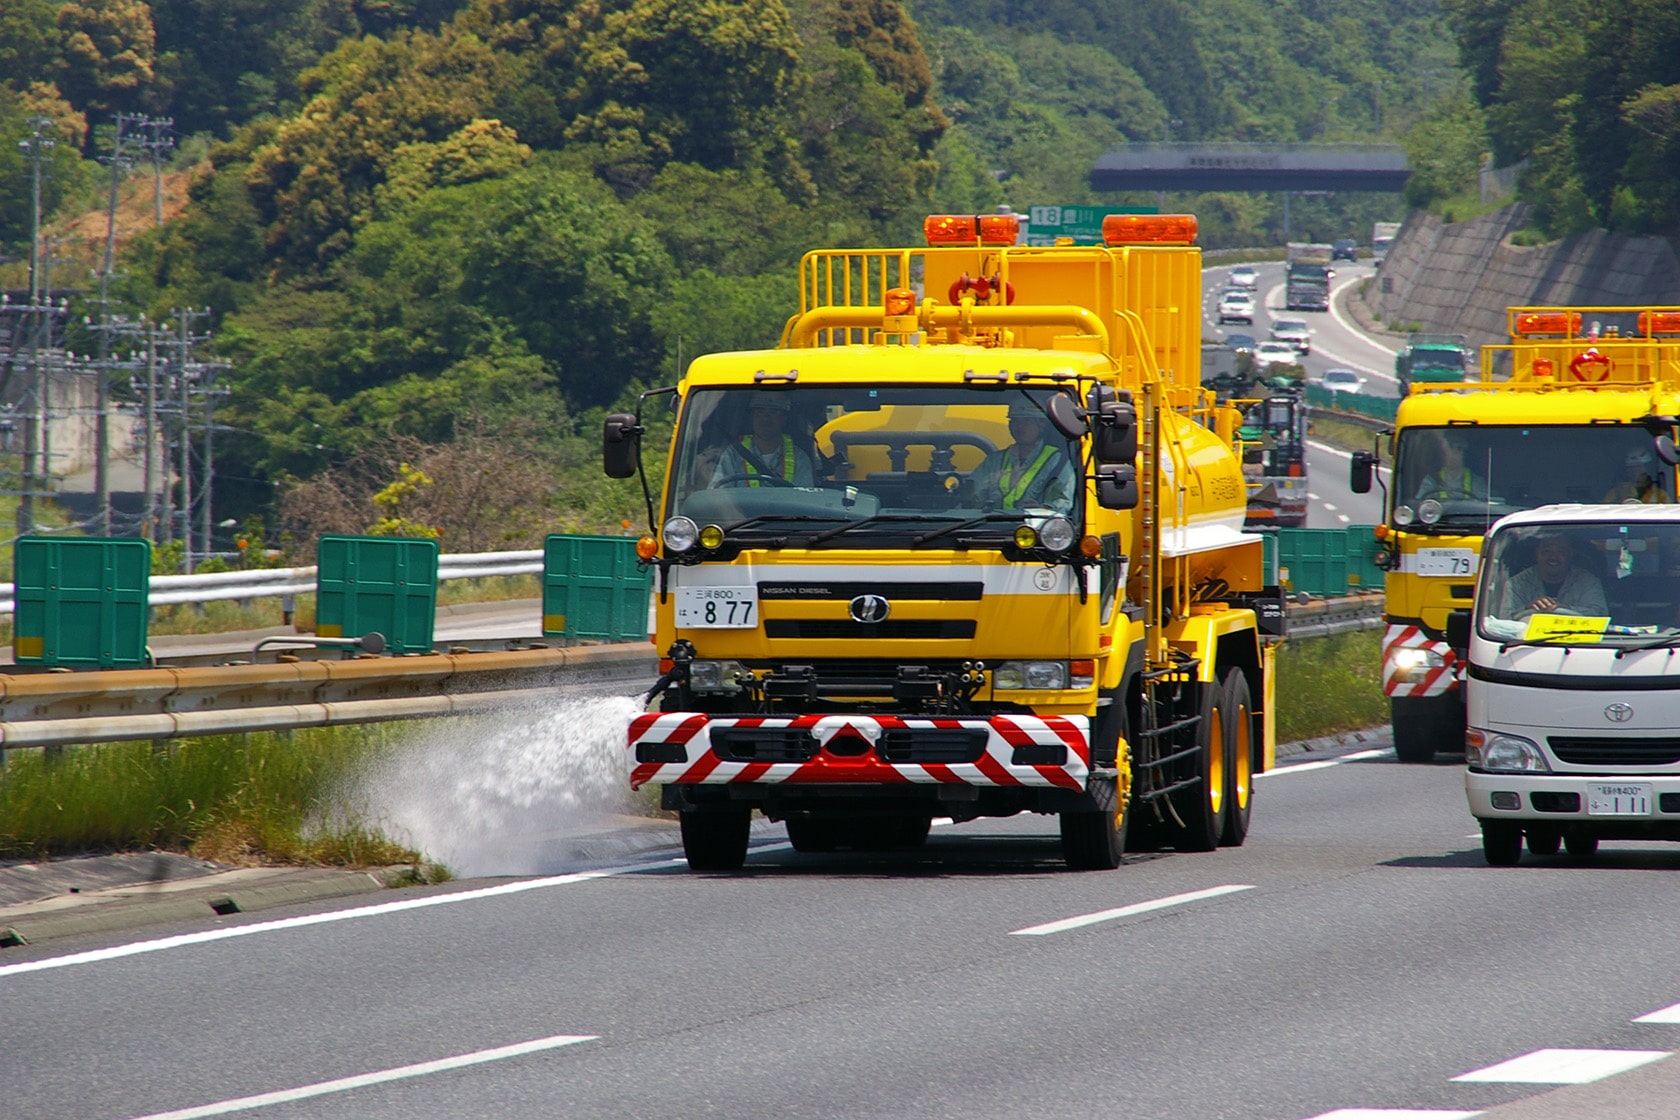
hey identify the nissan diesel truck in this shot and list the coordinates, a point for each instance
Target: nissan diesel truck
(1573, 702)
(1567, 411)
(969, 542)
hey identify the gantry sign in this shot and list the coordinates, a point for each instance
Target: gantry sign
(1252, 167)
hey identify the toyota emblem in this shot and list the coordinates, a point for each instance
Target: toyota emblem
(870, 609)
(1618, 712)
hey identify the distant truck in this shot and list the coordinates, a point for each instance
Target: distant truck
(1273, 441)
(1431, 359)
(1307, 277)
(1382, 236)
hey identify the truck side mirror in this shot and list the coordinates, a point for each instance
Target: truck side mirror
(1667, 451)
(1117, 486)
(621, 439)
(1458, 629)
(1064, 416)
(1359, 480)
(1114, 437)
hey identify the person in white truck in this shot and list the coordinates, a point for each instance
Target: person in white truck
(1573, 688)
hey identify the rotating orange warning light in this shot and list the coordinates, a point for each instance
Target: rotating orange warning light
(1149, 229)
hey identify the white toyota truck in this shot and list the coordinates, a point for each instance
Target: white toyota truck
(1573, 688)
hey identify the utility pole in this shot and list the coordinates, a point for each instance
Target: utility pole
(158, 143)
(35, 149)
(102, 418)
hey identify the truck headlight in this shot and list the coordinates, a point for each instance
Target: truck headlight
(715, 676)
(1412, 661)
(1056, 534)
(1429, 511)
(1030, 674)
(1404, 515)
(1504, 753)
(680, 534)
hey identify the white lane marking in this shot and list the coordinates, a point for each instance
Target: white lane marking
(1564, 1067)
(1342, 322)
(1393, 1114)
(1312, 496)
(184, 939)
(1127, 911)
(1670, 1014)
(379, 1077)
(1344, 518)
(1329, 507)
(1326, 763)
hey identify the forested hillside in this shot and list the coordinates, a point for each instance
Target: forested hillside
(473, 224)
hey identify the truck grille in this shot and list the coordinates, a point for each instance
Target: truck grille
(890, 629)
(1615, 751)
(932, 744)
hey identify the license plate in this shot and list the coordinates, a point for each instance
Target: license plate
(1630, 800)
(1446, 562)
(717, 608)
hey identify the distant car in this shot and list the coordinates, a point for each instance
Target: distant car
(1241, 343)
(1347, 249)
(1244, 276)
(1274, 353)
(1342, 381)
(1293, 331)
(1236, 307)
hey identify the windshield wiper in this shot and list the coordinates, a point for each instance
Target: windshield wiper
(751, 521)
(1550, 638)
(1668, 637)
(958, 526)
(829, 534)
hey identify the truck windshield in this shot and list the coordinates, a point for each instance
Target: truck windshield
(1582, 583)
(1452, 360)
(1464, 477)
(897, 462)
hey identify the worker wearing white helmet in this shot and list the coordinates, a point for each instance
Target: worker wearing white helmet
(1636, 481)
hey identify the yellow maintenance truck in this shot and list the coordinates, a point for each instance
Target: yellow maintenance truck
(968, 543)
(1574, 409)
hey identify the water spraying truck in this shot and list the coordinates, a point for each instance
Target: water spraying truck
(1572, 410)
(969, 542)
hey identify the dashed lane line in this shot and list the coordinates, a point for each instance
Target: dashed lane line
(1083, 920)
(1325, 763)
(1393, 1114)
(1564, 1067)
(1669, 1014)
(378, 1077)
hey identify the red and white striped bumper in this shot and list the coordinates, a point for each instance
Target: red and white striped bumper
(1004, 750)
(1428, 668)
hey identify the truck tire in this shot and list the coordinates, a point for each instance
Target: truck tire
(715, 839)
(1579, 845)
(1424, 725)
(1239, 760)
(1202, 805)
(1094, 841)
(1543, 841)
(1502, 842)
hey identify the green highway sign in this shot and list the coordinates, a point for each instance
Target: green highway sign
(1081, 223)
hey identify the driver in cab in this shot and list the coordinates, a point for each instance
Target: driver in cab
(1033, 472)
(766, 450)
(1553, 584)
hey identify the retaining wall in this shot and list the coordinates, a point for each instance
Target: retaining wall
(1460, 278)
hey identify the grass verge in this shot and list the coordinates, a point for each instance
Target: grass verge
(1329, 685)
(235, 799)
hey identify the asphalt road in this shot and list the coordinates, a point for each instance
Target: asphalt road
(1337, 342)
(1355, 954)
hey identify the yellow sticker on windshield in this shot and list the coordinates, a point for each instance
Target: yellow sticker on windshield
(1543, 627)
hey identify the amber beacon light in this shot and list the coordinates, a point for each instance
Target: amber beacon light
(967, 229)
(1149, 229)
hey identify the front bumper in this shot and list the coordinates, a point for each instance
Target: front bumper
(1005, 750)
(1546, 798)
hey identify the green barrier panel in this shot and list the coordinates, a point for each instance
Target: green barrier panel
(1363, 573)
(594, 588)
(81, 601)
(1377, 408)
(1316, 560)
(388, 584)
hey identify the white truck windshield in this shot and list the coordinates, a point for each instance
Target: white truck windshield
(1582, 583)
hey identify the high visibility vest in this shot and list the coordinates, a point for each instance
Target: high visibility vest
(787, 459)
(1014, 488)
(1442, 490)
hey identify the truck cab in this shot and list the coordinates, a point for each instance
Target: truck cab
(1573, 720)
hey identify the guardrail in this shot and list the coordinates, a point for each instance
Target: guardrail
(258, 583)
(120, 705)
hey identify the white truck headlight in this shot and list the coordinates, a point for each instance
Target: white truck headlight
(1429, 511)
(1511, 754)
(1056, 534)
(680, 534)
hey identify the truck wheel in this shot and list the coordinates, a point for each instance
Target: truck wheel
(715, 839)
(1502, 842)
(910, 833)
(1202, 805)
(1579, 845)
(1424, 725)
(1544, 841)
(813, 834)
(1093, 841)
(1239, 760)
